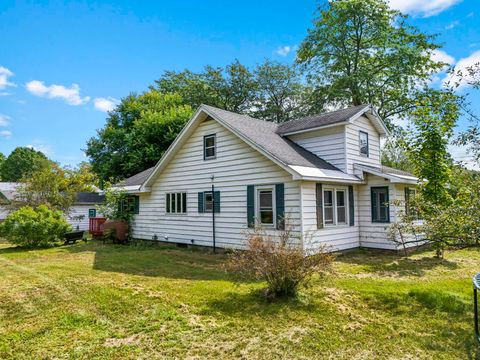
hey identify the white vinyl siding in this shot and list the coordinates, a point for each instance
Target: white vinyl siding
(338, 237)
(80, 210)
(329, 144)
(235, 166)
(352, 144)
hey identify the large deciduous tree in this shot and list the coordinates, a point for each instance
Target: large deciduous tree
(22, 162)
(138, 131)
(361, 51)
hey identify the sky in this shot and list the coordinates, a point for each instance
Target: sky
(64, 64)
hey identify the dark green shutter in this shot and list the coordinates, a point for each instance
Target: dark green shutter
(373, 204)
(319, 201)
(216, 195)
(136, 204)
(351, 206)
(407, 200)
(200, 202)
(280, 205)
(251, 206)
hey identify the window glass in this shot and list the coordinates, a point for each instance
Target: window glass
(176, 203)
(380, 206)
(363, 143)
(266, 206)
(208, 204)
(341, 208)
(92, 213)
(209, 146)
(328, 206)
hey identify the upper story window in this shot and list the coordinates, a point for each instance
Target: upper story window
(335, 206)
(209, 146)
(363, 141)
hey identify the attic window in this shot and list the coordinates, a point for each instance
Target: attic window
(209, 146)
(363, 141)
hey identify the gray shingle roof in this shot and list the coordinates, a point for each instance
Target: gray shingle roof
(264, 135)
(89, 198)
(312, 122)
(137, 179)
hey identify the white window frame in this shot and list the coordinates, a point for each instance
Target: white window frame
(174, 195)
(334, 205)
(214, 147)
(360, 143)
(205, 210)
(257, 205)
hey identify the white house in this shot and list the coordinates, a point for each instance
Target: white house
(322, 173)
(85, 205)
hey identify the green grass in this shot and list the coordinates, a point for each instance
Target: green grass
(98, 301)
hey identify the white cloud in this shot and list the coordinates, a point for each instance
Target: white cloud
(284, 50)
(6, 134)
(462, 66)
(39, 145)
(441, 56)
(452, 25)
(461, 154)
(105, 104)
(4, 120)
(423, 8)
(4, 75)
(71, 94)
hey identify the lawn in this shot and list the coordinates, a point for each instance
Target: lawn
(105, 301)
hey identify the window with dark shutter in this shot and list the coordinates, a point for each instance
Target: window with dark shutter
(319, 203)
(280, 206)
(380, 204)
(251, 206)
(351, 206)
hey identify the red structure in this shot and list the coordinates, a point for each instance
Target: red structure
(95, 226)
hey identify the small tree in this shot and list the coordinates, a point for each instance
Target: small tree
(34, 227)
(113, 207)
(279, 261)
(55, 186)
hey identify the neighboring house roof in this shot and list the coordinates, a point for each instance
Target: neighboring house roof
(89, 198)
(8, 191)
(332, 118)
(394, 175)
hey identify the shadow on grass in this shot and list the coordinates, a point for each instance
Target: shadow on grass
(154, 260)
(385, 263)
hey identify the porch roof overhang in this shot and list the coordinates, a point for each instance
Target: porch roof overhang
(393, 175)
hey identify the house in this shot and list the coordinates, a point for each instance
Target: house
(321, 173)
(85, 205)
(84, 208)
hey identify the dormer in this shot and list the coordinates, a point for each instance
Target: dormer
(343, 138)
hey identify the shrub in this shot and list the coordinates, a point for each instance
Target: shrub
(34, 227)
(279, 260)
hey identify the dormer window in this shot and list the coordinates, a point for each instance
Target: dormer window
(363, 141)
(209, 146)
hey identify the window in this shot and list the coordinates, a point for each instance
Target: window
(380, 205)
(341, 208)
(176, 203)
(410, 208)
(266, 215)
(209, 147)
(335, 206)
(92, 213)
(130, 204)
(208, 202)
(363, 140)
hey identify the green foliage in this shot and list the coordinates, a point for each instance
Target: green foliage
(271, 91)
(55, 186)
(114, 207)
(434, 118)
(361, 51)
(34, 227)
(22, 162)
(394, 154)
(2, 160)
(137, 133)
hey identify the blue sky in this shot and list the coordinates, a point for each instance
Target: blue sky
(63, 64)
